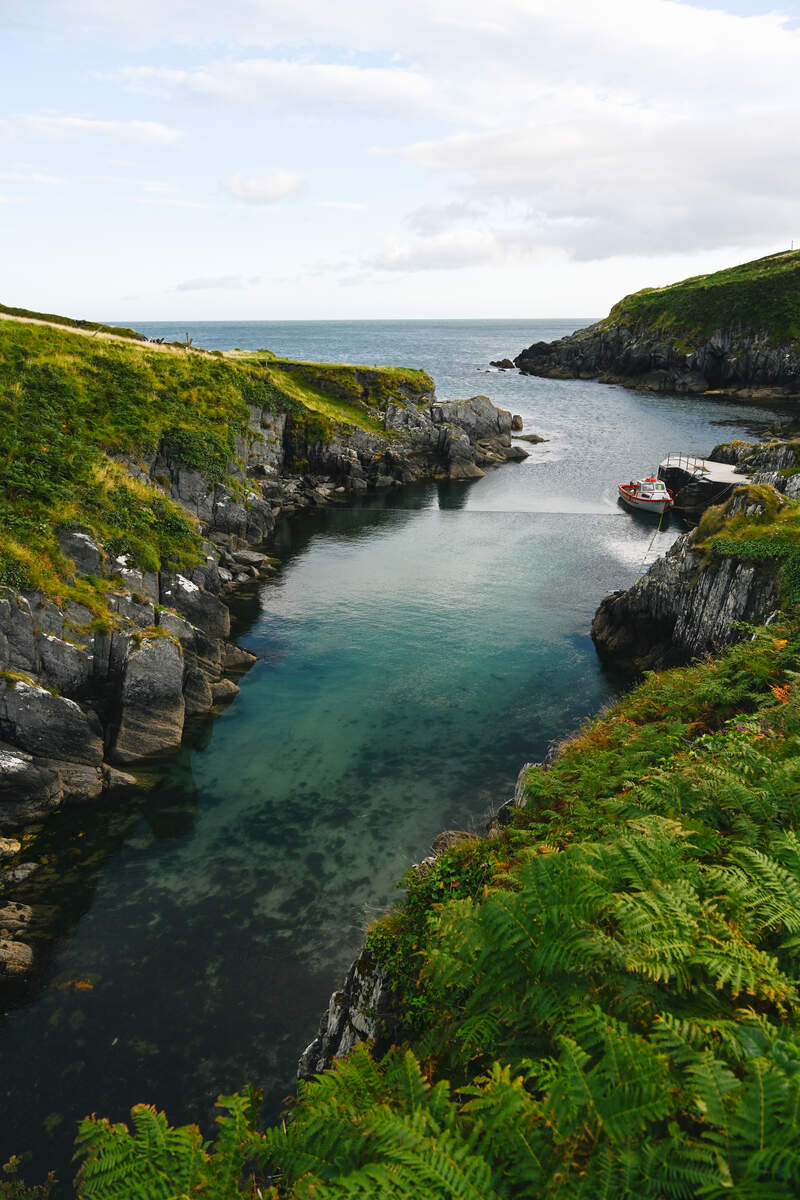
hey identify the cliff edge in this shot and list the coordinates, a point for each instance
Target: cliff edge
(733, 332)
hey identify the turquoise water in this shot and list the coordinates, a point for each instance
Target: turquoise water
(413, 651)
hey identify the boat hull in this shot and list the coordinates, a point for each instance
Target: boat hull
(641, 504)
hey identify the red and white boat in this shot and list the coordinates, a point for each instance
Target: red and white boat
(649, 495)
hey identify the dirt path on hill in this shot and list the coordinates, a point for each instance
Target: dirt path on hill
(107, 337)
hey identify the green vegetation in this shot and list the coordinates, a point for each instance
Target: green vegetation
(601, 997)
(769, 533)
(70, 322)
(77, 410)
(759, 295)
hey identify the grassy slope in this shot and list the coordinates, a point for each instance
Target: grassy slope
(759, 295)
(72, 323)
(72, 407)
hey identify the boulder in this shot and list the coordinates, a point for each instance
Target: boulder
(249, 558)
(63, 665)
(151, 700)
(9, 847)
(16, 959)
(225, 691)
(48, 726)
(79, 545)
(505, 364)
(235, 658)
(21, 872)
(14, 917)
(516, 422)
(202, 608)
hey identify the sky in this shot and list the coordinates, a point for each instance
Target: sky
(307, 160)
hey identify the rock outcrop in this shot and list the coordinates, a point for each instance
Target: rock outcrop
(735, 359)
(687, 604)
(360, 1011)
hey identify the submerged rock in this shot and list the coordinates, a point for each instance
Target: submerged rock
(16, 959)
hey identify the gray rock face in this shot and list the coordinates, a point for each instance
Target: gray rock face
(201, 608)
(732, 359)
(682, 609)
(478, 417)
(360, 1012)
(152, 704)
(48, 726)
(17, 640)
(80, 546)
(62, 665)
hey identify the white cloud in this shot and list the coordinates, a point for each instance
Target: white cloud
(29, 177)
(443, 252)
(269, 188)
(438, 218)
(60, 128)
(293, 86)
(348, 205)
(218, 282)
(630, 183)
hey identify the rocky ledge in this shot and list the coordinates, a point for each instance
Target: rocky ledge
(85, 699)
(734, 360)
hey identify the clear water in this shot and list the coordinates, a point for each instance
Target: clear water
(412, 653)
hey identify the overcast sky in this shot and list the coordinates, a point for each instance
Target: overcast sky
(291, 159)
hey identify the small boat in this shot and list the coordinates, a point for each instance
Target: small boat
(649, 495)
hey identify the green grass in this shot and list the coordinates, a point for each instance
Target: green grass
(92, 326)
(759, 295)
(771, 537)
(74, 408)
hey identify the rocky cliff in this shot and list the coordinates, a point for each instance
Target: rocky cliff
(732, 332)
(693, 600)
(102, 664)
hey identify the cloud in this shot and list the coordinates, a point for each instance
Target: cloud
(293, 86)
(438, 218)
(221, 282)
(349, 205)
(443, 252)
(61, 128)
(29, 177)
(270, 188)
(630, 183)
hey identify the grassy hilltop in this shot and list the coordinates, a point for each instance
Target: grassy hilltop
(763, 294)
(75, 409)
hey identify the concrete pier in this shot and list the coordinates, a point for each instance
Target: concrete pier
(697, 483)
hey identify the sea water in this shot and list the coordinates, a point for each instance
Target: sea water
(412, 652)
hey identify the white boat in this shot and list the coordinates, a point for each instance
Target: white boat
(649, 495)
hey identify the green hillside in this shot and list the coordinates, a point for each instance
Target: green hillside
(74, 409)
(764, 294)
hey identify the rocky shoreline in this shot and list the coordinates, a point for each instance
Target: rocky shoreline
(85, 701)
(733, 362)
